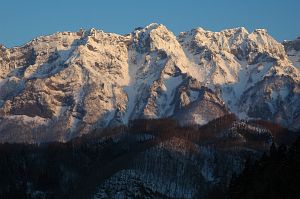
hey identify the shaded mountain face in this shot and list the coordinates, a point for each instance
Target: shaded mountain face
(63, 85)
(293, 51)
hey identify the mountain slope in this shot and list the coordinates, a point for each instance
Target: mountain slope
(63, 85)
(258, 179)
(147, 159)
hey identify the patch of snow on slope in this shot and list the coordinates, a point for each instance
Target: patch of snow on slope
(27, 119)
(282, 93)
(249, 75)
(207, 171)
(2, 82)
(131, 89)
(193, 95)
(170, 85)
(199, 119)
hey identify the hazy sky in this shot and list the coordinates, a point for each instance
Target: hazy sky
(22, 20)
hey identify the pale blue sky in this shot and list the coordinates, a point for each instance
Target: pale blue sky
(22, 20)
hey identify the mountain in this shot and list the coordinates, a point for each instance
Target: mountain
(293, 51)
(61, 86)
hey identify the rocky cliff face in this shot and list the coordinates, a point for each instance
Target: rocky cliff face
(63, 85)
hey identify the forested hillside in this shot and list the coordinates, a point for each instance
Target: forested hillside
(146, 159)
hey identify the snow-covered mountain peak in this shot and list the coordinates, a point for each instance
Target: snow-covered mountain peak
(260, 31)
(214, 41)
(73, 82)
(152, 26)
(147, 29)
(154, 37)
(238, 29)
(261, 41)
